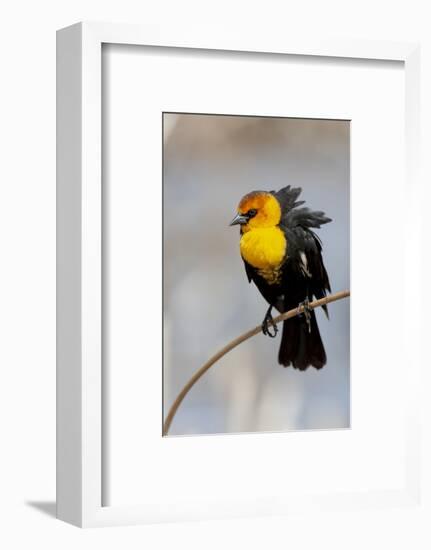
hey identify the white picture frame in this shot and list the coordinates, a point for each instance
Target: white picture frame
(79, 264)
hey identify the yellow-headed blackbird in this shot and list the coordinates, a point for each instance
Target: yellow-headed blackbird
(283, 256)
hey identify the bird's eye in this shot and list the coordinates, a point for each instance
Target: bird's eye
(251, 213)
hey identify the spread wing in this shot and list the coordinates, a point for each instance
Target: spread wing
(292, 216)
(287, 197)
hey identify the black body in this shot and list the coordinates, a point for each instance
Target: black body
(303, 276)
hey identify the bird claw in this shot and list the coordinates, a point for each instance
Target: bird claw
(306, 312)
(268, 322)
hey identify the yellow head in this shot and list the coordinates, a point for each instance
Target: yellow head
(257, 210)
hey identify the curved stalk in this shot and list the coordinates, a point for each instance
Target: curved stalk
(229, 347)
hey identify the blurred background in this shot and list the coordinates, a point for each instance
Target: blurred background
(210, 162)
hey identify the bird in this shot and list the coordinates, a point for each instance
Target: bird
(283, 257)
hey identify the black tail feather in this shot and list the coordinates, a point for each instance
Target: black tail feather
(300, 346)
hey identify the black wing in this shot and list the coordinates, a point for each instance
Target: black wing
(287, 198)
(304, 246)
(305, 218)
(305, 262)
(293, 216)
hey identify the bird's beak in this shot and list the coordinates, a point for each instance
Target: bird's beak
(239, 219)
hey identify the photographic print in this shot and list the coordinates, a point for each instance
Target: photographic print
(256, 223)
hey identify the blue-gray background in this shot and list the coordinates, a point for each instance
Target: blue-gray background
(210, 162)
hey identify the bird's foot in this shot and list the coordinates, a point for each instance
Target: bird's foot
(269, 328)
(306, 312)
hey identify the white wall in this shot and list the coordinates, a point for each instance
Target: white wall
(27, 275)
